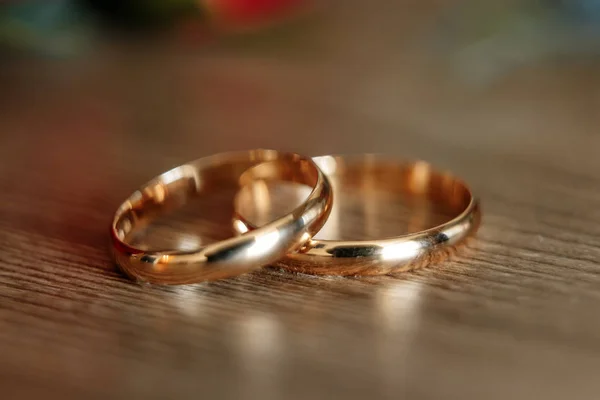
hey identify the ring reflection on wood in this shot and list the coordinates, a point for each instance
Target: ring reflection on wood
(442, 213)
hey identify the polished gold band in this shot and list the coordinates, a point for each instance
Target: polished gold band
(233, 256)
(389, 255)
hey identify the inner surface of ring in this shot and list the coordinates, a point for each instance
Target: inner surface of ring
(191, 205)
(373, 198)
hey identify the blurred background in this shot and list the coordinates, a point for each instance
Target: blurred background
(517, 77)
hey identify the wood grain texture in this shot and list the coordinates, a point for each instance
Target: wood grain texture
(514, 316)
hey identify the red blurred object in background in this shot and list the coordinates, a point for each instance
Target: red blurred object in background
(244, 13)
(237, 16)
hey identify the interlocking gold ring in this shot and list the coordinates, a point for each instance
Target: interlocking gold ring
(389, 255)
(232, 256)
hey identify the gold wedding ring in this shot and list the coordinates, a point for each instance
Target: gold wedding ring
(232, 256)
(394, 254)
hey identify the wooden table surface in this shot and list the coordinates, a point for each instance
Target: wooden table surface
(515, 315)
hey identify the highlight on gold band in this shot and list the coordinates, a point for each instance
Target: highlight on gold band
(232, 256)
(385, 255)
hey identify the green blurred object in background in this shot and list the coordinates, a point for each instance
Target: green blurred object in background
(57, 28)
(485, 40)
